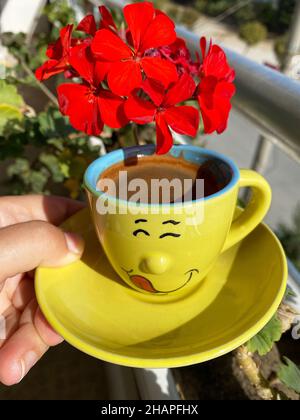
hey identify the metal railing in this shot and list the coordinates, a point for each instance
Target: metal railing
(268, 98)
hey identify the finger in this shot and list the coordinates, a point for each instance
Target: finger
(24, 348)
(26, 246)
(9, 324)
(13, 303)
(8, 288)
(51, 209)
(46, 332)
(23, 294)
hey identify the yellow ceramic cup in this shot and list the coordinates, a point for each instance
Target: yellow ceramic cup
(162, 249)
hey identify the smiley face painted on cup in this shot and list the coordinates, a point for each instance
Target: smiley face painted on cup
(160, 251)
(153, 267)
(158, 254)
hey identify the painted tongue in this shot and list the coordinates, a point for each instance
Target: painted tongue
(143, 283)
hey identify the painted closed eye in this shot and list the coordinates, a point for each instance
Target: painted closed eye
(174, 235)
(172, 222)
(137, 232)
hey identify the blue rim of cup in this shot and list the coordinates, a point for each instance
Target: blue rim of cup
(189, 152)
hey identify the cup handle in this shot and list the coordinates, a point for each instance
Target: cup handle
(256, 209)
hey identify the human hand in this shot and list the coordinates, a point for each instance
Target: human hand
(29, 239)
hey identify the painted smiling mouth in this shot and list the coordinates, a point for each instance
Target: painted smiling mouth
(145, 284)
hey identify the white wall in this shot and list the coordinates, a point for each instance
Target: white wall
(20, 15)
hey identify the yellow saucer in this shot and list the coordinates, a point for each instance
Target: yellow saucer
(96, 312)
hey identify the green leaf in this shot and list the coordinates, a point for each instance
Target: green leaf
(20, 167)
(25, 179)
(9, 95)
(37, 181)
(263, 342)
(52, 163)
(65, 169)
(57, 143)
(9, 114)
(10, 105)
(60, 13)
(289, 374)
(289, 293)
(52, 124)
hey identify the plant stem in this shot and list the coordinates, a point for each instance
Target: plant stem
(43, 88)
(135, 134)
(249, 367)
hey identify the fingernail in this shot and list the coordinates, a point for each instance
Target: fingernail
(74, 242)
(27, 362)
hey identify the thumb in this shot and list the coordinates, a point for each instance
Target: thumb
(26, 246)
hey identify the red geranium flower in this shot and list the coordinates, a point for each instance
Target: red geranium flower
(163, 110)
(178, 54)
(215, 89)
(88, 105)
(58, 54)
(148, 29)
(89, 26)
(145, 61)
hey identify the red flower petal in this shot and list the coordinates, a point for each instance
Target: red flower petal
(183, 119)
(107, 20)
(215, 119)
(225, 90)
(208, 85)
(108, 46)
(58, 53)
(82, 60)
(50, 68)
(223, 93)
(88, 25)
(214, 101)
(101, 69)
(81, 106)
(203, 47)
(112, 109)
(129, 39)
(124, 77)
(164, 139)
(154, 90)
(57, 49)
(138, 17)
(160, 32)
(159, 69)
(224, 112)
(139, 110)
(215, 64)
(65, 36)
(180, 91)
